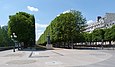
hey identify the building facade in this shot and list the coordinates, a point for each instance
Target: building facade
(102, 22)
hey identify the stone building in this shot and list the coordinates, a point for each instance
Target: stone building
(102, 22)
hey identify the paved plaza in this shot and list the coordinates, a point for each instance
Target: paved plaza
(58, 58)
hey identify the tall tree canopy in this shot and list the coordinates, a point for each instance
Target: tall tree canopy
(23, 25)
(65, 28)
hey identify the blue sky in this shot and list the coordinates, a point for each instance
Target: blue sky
(46, 10)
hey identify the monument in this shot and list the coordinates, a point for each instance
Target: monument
(48, 45)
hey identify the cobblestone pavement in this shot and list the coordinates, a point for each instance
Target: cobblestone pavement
(58, 58)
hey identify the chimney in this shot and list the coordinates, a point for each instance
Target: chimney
(98, 18)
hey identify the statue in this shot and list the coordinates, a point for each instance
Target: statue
(48, 45)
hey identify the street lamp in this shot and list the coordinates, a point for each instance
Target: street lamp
(13, 37)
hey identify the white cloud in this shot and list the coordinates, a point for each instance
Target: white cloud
(41, 25)
(2, 25)
(90, 21)
(66, 11)
(40, 29)
(38, 35)
(58, 15)
(32, 8)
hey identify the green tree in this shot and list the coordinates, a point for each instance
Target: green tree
(1, 36)
(67, 27)
(98, 35)
(23, 24)
(87, 37)
(107, 35)
(5, 41)
(113, 33)
(110, 34)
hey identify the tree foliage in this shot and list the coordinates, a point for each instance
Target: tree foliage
(5, 41)
(87, 37)
(98, 35)
(67, 27)
(23, 25)
(110, 34)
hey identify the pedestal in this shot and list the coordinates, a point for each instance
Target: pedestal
(49, 46)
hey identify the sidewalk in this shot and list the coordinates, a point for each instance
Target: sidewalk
(55, 58)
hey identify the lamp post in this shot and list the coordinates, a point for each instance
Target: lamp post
(13, 37)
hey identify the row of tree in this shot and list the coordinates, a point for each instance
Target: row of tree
(5, 41)
(100, 35)
(67, 27)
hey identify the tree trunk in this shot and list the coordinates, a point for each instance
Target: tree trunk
(68, 44)
(110, 43)
(64, 44)
(102, 44)
(25, 44)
